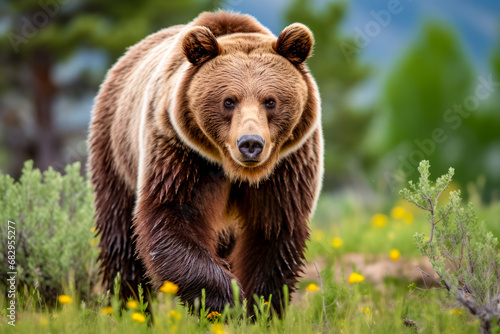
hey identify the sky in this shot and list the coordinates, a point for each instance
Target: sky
(476, 22)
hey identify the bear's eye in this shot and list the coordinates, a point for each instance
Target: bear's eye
(229, 103)
(270, 103)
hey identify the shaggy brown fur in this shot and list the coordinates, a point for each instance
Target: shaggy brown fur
(164, 155)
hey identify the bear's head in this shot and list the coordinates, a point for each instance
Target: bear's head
(246, 100)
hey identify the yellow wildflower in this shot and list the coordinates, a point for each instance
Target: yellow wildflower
(356, 278)
(394, 254)
(337, 242)
(65, 299)
(456, 312)
(312, 287)
(218, 329)
(365, 309)
(92, 229)
(169, 287)
(213, 315)
(398, 212)
(176, 315)
(132, 304)
(44, 321)
(107, 310)
(408, 218)
(137, 317)
(379, 220)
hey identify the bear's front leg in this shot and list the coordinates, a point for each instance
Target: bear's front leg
(264, 265)
(175, 236)
(270, 250)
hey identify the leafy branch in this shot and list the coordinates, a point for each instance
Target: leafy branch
(462, 253)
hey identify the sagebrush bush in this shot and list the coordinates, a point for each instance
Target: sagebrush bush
(461, 251)
(53, 217)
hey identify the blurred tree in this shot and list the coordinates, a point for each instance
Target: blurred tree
(438, 108)
(434, 75)
(41, 33)
(337, 70)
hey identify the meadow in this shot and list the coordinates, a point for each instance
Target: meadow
(362, 276)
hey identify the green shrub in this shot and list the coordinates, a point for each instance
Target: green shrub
(461, 251)
(53, 216)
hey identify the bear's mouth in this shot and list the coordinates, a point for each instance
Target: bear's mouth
(250, 163)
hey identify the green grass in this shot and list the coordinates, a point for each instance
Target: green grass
(365, 307)
(385, 315)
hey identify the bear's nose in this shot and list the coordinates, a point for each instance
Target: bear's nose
(250, 146)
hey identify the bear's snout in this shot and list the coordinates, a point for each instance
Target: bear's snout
(250, 146)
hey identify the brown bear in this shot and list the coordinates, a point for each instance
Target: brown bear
(206, 154)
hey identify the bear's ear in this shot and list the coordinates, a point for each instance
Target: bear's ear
(199, 45)
(295, 43)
